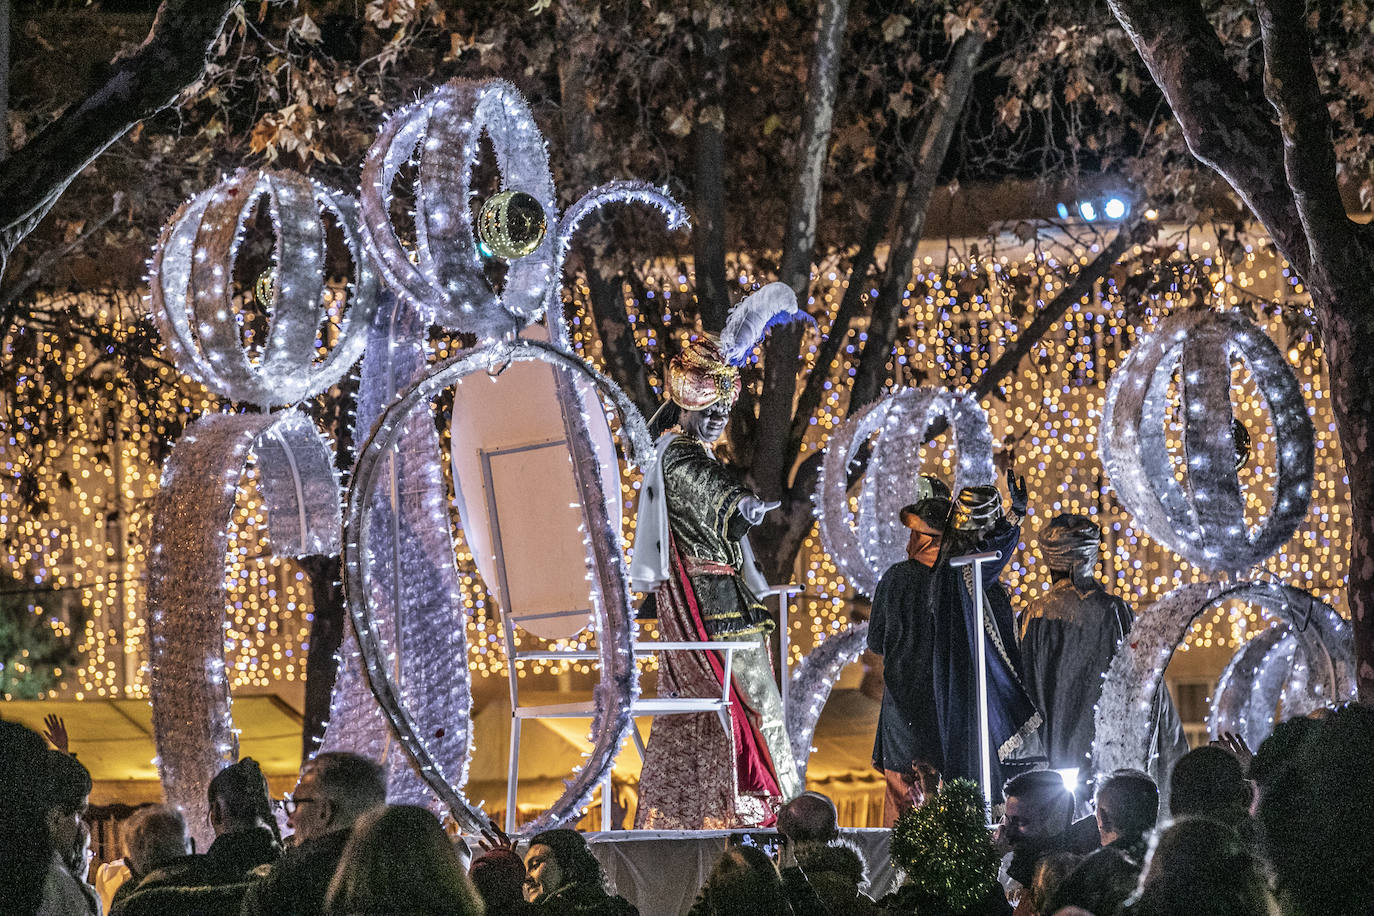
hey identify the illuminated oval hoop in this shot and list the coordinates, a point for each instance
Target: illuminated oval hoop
(613, 615)
(900, 421)
(441, 134)
(189, 686)
(812, 682)
(1204, 522)
(191, 281)
(1122, 722)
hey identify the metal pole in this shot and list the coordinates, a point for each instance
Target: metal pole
(976, 560)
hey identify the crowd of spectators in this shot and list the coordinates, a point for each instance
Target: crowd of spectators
(1284, 832)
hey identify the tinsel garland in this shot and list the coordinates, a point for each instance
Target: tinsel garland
(866, 544)
(811, 683)
(1123, 725)
(1203, 519)
(189, 685)
(944, 851)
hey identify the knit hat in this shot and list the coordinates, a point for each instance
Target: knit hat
(499, 876)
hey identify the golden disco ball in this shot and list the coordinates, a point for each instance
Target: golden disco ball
(510, 225)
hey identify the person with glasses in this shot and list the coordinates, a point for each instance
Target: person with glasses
(334, 791)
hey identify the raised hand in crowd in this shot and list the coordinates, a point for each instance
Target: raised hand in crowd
(55, 730)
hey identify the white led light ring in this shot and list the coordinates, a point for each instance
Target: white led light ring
(900, 420)
(1123, 726)
(192, 289)
(441, 132)
(614, 626)
(811, 683)
(1204, 521)
(188, 683)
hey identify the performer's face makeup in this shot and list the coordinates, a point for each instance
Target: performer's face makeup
(542, 874)
(707, 424)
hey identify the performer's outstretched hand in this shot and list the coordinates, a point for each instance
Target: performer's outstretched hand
(1016, 488)
(754, 509)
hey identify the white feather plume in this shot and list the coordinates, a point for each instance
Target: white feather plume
(753, 316)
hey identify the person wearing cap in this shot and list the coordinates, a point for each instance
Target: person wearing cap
(924, 623)
(691, 557)
(1069, 636)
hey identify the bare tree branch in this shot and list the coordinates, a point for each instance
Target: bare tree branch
(850, 306)
(38, 270)
(1224, 128)
(1048, 316)
(1309, 156)
(170, 59)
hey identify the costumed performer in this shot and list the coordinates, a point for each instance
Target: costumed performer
(692, 557)
(900, 630)
(1069, 637)
(925, 625)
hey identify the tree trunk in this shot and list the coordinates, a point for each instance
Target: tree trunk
(1350, 370)
(624, 360)
(1284, 168)
(170, 59)
(326, 634)
(773, 454)
(708, 179)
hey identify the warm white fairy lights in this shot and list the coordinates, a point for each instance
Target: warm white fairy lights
(866, 543)
(1203, 519)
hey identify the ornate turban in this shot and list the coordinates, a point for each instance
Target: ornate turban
(976, 509)
(701, 375)
(1071, 543)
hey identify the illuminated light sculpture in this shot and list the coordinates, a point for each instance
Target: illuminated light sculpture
(1268, 673)
(440, 133)
(1122, 722)
(416, 587)
(864, 546)
(1203, 519)
(611, 607)
(192, 289)
(193, 302)
(812, 680)
(192, 721)
(446, 284)
(1249, 689)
